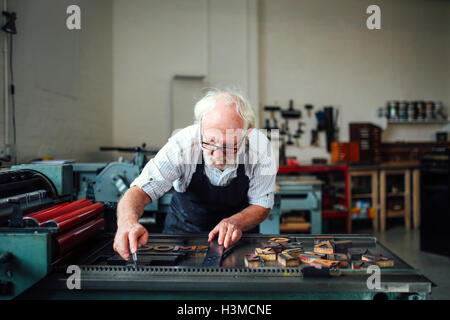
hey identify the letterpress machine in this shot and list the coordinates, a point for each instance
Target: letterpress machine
(44, 229)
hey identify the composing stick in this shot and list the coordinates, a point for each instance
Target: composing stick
(214, 255)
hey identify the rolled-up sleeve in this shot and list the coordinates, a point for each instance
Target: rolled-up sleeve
(262, 181)
(160, 172)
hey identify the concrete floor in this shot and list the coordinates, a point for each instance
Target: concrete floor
(406, 244)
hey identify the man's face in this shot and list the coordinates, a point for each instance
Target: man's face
(220, 149)
(221, 133)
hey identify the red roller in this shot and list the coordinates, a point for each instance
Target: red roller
(74, 218)
(45, 210)
(41, 218)
(70, 239)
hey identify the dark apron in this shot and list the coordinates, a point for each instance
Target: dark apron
(202, 206)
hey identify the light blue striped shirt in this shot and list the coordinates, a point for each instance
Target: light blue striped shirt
(175, 164)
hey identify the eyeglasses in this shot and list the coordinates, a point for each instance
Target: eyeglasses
(213, 147)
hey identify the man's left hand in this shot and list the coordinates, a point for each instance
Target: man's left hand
(229, 232)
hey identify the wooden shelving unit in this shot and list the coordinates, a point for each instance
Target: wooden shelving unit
(405, 194)
(380, 196)
(362, 196)
(372, 174)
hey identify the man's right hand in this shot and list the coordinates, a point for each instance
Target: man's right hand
(129, 237)
(130, 234)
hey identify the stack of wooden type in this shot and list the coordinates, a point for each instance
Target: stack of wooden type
(277, 250)
(374, 259)
(342, 255)
(328, 254)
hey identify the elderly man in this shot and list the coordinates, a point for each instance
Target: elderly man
(223, 172)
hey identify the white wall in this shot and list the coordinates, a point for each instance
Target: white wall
(157, 40)
(233, 45)
(63, 80)
(111, 82)
(321, 52)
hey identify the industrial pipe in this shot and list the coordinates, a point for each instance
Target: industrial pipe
(40, 219)
(70, 239)
(71, 219)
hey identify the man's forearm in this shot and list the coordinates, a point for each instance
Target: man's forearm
(250, 217)
(131, 206)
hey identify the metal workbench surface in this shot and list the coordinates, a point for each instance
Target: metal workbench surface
(105, 275)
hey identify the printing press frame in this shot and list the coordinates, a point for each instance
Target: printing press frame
(232, 280)
(31, 269)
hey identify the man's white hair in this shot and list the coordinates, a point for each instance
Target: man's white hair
(231, 98)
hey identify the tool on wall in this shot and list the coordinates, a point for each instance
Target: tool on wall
(298, 133)
(287, 115)
(315, 138)
(275, 124)
(330, 125)
(326, 121)
(291, 113)
(272, 110)
(283, 160)
(308, 108)
(320, 117)
(336, 128)
(320, 127)
(268, 128)
(289, 142)
(283, 129)
(267, 125)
